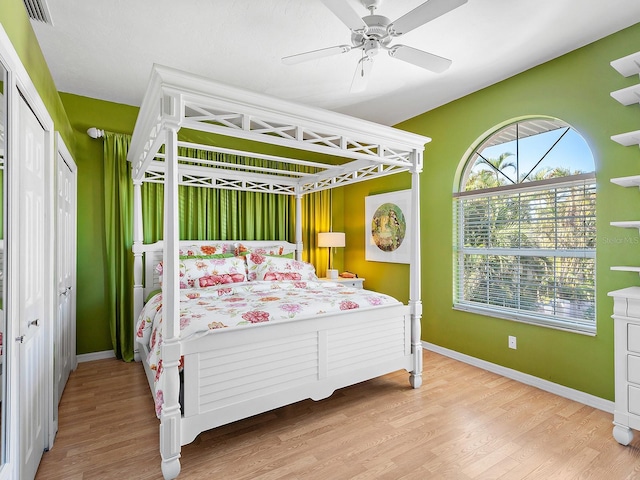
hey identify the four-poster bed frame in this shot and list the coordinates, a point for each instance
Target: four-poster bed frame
(357, 150)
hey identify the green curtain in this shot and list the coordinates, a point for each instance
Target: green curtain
(118, 203)
(204, 214)
(316, 218)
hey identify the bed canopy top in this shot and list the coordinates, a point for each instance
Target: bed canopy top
(349, 149)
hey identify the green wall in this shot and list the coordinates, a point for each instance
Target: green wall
(574, 88)
(91, 310)
(16, 24)
(390, 278)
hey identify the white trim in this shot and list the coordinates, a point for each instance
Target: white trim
(19, 83)
(9, 442)
(535, 186)
(547, 386)
(90, 357)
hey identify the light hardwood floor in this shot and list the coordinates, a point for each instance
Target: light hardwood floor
(464, 423)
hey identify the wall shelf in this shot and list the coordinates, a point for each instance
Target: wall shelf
(627, 224)
(627, 96)
(626, 269)
(627, 139)
(626, 304)
(633, 181)
(627, 66)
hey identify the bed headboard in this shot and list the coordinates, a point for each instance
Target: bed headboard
(153, 255)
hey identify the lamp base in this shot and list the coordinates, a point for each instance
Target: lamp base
(332, 274)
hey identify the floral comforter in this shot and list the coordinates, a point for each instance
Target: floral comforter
(204, 310)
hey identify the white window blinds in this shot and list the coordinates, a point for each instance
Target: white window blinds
(527, 252)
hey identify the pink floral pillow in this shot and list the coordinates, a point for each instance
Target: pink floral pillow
(265, 268)
(271, 250)
(209, 272)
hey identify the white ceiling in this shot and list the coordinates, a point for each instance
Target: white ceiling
(105, 49)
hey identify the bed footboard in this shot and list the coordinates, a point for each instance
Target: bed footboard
(239, 373)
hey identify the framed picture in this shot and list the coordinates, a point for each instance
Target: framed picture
(388, 227)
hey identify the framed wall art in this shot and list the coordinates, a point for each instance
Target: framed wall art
(387, 227)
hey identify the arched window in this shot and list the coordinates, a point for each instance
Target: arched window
(526, 227)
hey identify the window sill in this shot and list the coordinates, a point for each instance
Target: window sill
(530, 319)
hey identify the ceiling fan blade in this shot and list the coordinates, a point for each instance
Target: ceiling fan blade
(345, 13)
(423, 59)
(422, 14)
(361, 75)
(315, 54)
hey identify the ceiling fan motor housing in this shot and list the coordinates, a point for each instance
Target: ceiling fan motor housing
(374, 36)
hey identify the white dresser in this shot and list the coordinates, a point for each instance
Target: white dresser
(626, 317)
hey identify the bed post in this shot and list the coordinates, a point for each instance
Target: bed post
(138, 296)
(415, 378)
(299, 226)
(170, 416)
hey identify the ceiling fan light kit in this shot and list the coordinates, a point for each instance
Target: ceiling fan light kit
(373, 33)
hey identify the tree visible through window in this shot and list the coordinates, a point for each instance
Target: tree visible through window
(525, 227)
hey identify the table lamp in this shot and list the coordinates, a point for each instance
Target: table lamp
(331, 240)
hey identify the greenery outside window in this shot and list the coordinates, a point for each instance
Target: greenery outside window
(525, 229)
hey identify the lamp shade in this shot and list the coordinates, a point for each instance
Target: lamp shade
(331, 239)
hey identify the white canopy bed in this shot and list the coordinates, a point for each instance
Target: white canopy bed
(310, 357)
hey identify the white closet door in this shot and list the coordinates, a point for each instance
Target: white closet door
(65, 331)
(30, 163)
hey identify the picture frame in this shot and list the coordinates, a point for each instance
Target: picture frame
(388, 227)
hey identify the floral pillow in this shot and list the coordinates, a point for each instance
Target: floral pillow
(265, 268)
(270, 250)
(208, 272)
(217, 249)
(201, 272)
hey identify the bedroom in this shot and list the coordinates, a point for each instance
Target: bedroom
(557, 88)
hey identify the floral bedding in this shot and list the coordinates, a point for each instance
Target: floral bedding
(240, 305)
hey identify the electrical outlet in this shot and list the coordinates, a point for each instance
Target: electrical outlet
(512, 342)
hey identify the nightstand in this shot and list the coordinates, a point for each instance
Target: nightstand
(347, 282)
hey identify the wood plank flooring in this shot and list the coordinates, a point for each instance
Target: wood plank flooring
(464, 423)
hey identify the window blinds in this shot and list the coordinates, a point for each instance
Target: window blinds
(529, 253)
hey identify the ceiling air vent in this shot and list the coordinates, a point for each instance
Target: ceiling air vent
(38, 10)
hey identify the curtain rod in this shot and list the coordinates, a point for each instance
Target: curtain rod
(94, 132)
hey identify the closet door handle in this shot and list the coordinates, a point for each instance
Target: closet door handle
(34, 323)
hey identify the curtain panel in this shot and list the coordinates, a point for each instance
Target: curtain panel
(204, 214)
(118, 204)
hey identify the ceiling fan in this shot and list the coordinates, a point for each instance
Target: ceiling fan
(373, 33)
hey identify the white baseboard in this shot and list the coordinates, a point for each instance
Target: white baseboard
(561, 390)
(88, 357)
